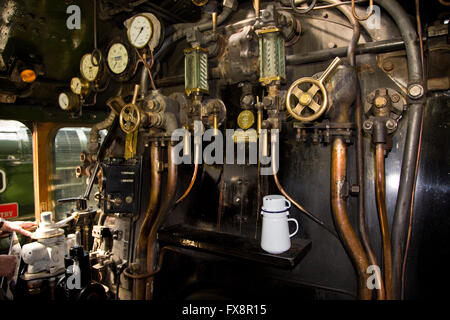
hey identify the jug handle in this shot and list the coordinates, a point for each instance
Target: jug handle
(288, 204)
(296, 230)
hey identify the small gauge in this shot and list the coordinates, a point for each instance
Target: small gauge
(88, 70)
(140, 31)
(117, 58)
(79, 86)
(68, 101)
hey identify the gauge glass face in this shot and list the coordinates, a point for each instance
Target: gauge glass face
(117, 58)
(140, 31)
(88, 70)
(75, 85)
(63, 100)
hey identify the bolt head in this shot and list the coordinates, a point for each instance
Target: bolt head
(388, 66)
(415, 91)
(381, 102)
(391, 124)
(395, 98)
(368, 125)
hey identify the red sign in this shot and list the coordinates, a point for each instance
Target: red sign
(9, 210)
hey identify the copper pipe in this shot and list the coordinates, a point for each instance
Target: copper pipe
(194, 175)
(339, 208)
(256, 6)
(166, 204)
(295, 203)
(141, 249)
(380, 189)
(360, 144)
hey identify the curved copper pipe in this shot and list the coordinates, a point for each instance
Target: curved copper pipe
(295, 203)
(194, 175)
(166, 203)
(339, 208)
(141, 249)
(380, 189)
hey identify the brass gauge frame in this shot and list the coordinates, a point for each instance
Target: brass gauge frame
(73, 101)
(129, 28)
(88, 57)
(84, 86)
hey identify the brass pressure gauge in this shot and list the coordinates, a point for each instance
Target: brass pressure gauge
(246, 119)
(88, 70)
(68, 101)
(117, 58)
(79, 86)
(140, 31)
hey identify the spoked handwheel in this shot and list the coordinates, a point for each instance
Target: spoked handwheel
(130, 118)
(303, 105)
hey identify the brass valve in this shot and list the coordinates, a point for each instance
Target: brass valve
(130, 115)
(305, 100)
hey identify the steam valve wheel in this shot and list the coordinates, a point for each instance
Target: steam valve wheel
(306, 100)
(307, 109)
(130, 118)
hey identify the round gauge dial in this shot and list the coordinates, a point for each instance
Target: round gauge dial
(78, 86)
(68, 101)
(140, 31)
(88, 70)
(63, 100)
(117, 58)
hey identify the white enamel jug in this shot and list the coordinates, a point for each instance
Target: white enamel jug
(275, 237)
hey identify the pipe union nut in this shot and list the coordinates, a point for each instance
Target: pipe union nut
(416, 91)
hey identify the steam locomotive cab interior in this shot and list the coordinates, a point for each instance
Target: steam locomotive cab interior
(225, 149)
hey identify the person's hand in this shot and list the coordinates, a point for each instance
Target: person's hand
(7, 266)
(18, 227)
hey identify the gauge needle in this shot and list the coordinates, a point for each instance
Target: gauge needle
(142, 28)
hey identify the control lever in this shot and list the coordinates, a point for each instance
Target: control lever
(305, 100)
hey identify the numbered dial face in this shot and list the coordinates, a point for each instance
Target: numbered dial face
(117, 58)
(140, 31)
(68, 101)
(63, 101)
(79, 86)
(88, 70)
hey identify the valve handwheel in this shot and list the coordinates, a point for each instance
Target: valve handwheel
(306, 101)
(130, 118)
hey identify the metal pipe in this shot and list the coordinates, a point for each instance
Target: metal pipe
(166, 203)
(214, 21)
(339, 208)
(295, 203)
(351, 53)
(380, 190)
(141, 249)
(256, 6)
(411, 147)
(194, 175)
(364, 48)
